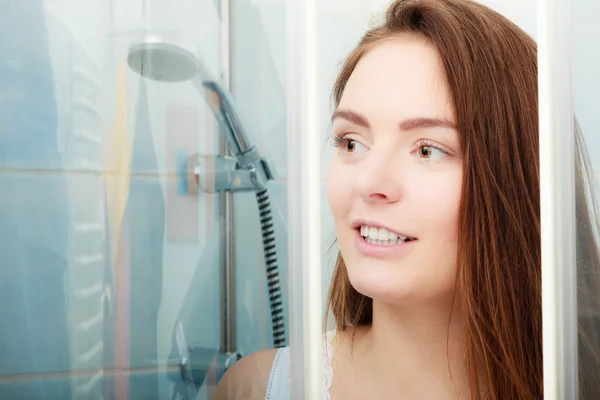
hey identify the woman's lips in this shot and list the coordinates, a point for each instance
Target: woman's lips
(381, 250)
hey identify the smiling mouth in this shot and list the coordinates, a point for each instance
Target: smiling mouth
(382, 236)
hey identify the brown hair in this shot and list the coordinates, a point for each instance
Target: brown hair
(491, 71)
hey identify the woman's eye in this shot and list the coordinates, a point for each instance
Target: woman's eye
(351, 146)
(430, 152)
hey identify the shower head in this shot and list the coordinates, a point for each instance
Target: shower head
(170, 60)
(162, 61)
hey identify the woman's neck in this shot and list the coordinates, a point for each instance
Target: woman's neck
(421, 351)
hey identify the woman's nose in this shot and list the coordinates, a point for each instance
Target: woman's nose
(378, 178)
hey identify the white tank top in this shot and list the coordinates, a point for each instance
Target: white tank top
(278, 387)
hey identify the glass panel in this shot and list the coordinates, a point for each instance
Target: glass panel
(116, 242)
(585, 61)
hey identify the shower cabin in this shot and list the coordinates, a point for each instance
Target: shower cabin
(134, 163)
(162, 208)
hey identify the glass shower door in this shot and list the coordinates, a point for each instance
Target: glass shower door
(115, 266)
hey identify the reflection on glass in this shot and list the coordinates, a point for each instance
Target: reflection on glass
(112, 261)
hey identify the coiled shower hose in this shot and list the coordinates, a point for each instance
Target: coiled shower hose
(273, 283)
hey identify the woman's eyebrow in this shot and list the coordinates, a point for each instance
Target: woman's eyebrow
(352, 117)
(424, 123)
(406, 125)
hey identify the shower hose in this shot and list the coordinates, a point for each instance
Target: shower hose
(194, 370)
(273, 283)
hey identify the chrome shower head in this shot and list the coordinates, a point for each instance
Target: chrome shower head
(168, 59)
(163, 61)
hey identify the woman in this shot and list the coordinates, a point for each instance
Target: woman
(434, 191)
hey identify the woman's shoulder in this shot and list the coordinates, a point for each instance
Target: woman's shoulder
(265, 374)
(247, 378)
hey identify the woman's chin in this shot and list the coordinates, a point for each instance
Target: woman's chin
(383, 286)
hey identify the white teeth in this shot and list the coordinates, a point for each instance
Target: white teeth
(373, 233)
(381, 236)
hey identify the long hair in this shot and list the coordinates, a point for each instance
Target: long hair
(490, 66)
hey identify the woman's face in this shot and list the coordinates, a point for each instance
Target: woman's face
(395, 181)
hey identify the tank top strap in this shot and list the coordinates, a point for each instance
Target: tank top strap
(278, 386)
